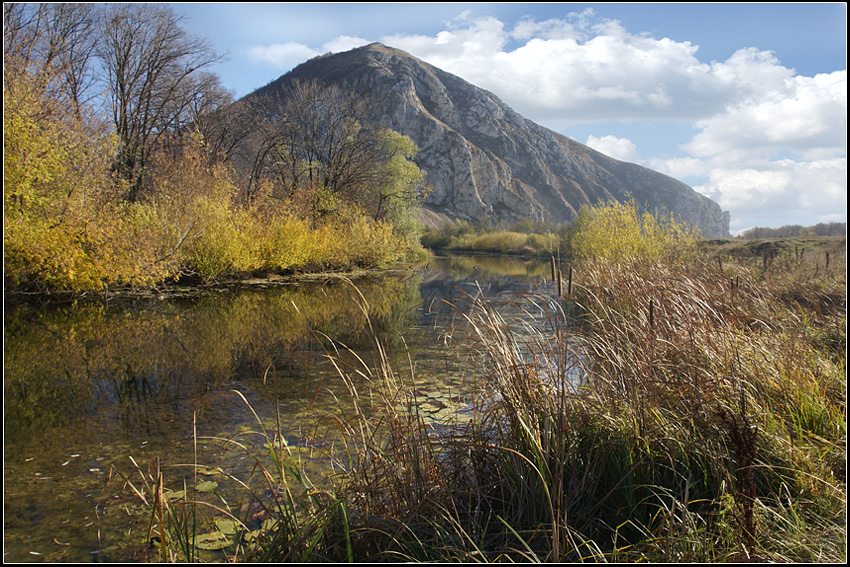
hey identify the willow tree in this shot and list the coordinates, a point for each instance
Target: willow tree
(400, 185)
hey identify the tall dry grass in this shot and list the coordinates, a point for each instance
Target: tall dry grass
(678, 415)
(668, 410)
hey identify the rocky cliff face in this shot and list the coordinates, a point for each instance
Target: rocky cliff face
(485, 160)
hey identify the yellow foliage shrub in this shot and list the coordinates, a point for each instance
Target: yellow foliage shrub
(36, 252)
(117, 246)
(371, 244)
(221, 244)
(126, 241)
(618, 232)
(284, 244)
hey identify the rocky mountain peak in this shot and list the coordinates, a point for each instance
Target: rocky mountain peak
(485, 160)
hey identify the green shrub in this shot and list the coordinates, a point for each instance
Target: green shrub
(435, 240)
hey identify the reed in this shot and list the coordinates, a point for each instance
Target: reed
(669, 417)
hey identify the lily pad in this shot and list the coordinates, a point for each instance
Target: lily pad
(430, 407)
(174, 494)
(206, 486)
(212, 541)
(225, 526)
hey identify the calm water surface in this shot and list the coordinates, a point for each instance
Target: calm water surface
(89, 387)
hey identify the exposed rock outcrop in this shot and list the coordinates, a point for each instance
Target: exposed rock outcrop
(485, 160)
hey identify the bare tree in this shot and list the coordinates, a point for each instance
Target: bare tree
(153, 74)
(54, 45)
(326, 125)
(221, 122)
(310, 139)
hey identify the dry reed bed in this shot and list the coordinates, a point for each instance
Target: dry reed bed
(663, 412)
(709, 425)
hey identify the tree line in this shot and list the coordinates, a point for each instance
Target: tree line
(127, 161)
(791, 230)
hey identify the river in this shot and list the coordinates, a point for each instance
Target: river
(94, 391)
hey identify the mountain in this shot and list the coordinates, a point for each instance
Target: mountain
(485, 160)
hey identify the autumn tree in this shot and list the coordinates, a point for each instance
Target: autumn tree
(47, 73)
(153, 72)
(63, 225)
(400, 186)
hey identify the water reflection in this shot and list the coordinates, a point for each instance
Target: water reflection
(88, 385)
(74, 361)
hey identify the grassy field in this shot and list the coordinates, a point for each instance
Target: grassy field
(673, 408)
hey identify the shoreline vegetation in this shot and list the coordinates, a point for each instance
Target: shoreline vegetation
(126, 163)
(681, 401)
(72, 235)
(671, 406)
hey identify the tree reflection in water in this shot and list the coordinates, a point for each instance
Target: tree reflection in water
(86, 385)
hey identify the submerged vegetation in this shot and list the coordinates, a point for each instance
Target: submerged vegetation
(674, 407)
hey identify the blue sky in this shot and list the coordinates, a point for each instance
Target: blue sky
(747, 103)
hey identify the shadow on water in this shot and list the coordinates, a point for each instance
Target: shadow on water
(87, 385)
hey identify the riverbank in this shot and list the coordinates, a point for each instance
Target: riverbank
(195, 287)
(813, 250)
(675, 409)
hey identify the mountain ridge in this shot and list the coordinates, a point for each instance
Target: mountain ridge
(484, 159)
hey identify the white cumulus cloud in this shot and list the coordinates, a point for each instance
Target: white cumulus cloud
(804, 115)
(290, 54)
(770, 145)
(619, 148)
(281, 55)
